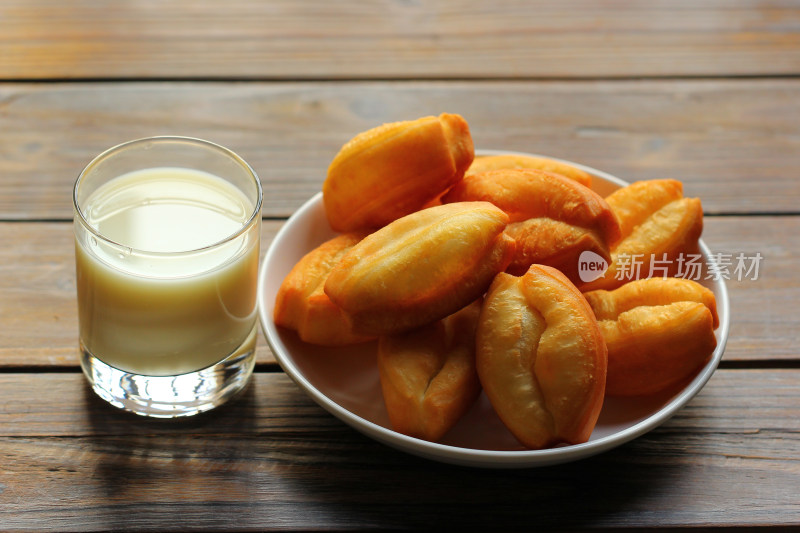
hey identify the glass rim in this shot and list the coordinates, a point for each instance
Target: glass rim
(256, 213)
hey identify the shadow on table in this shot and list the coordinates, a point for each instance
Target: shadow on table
(246, 466)
(165, 474)
(389, 489)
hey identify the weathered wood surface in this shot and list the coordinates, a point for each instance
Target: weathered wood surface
(763, 325)
(734, 143)
(275, 460)
(38, 305)
(42, 39)
(704, 91)
(39, 316)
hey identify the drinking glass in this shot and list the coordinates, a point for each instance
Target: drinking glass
(167, 233)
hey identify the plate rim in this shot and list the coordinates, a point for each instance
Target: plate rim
(477, 457)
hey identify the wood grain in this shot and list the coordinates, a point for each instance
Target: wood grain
(762, 327)
(38, 306)
(43, 39)
(274, 460)
(703, 91)
(735, 144)
(38, 309)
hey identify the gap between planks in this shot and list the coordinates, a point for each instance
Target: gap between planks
(398, 79)
(274, 368)
(268, 218)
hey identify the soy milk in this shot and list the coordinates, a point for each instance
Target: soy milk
(160, 299)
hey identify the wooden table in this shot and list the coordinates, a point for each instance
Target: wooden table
(704, 91)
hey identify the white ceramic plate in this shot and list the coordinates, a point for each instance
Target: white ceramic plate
(345, 381)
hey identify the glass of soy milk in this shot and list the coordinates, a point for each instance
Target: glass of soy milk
(167, 233)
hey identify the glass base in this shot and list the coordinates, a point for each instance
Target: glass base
(172, 396)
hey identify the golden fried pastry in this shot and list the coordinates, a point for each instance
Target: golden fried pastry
(553, 243)
(541, 357)
(530, 193)
(395, 169)
(504, 161)
(553, 218)
(302, 305)
(635, 203)
(659, 331)
(657, 223)
(421, 268)
(428, 375)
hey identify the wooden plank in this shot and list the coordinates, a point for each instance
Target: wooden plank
(763, 327)
(43, 39)
(274, 460)
(38, 310)
(735, 143)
